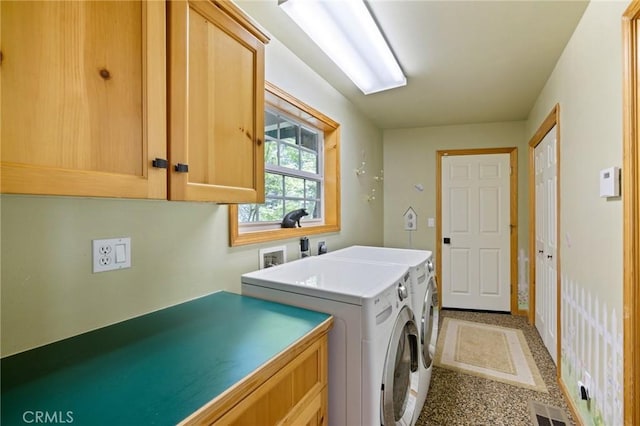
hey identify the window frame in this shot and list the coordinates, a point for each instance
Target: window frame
(276, 98)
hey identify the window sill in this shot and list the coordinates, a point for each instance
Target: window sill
(279, 234)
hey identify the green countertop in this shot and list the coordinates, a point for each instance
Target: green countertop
(156, 369)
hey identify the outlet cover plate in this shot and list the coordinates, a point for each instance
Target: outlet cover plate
(111, 254)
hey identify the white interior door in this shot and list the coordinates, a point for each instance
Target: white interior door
(545, 155)
(476, 232)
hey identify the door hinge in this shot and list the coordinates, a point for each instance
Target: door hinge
(510, 170)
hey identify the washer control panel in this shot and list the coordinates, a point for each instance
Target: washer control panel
(385, 304)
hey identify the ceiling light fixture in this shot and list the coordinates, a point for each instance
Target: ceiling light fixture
(347, 33)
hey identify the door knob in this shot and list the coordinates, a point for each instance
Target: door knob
(549, 256)
(540, 251)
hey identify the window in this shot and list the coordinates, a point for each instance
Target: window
(302, 152)
(293, 155)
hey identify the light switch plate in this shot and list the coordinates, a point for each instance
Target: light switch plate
(110, 254)
(610, 182)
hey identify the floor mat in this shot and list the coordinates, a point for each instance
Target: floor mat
(492, 352)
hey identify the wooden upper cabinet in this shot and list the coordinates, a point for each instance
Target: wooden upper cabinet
(83, 95)
(216, 103)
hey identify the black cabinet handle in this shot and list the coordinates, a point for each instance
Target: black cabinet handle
(181, 168)
(160, 163)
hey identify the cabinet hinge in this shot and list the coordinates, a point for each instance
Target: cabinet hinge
(160, 163)
(181, 168)
(1, 57)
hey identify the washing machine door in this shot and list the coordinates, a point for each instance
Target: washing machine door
(400, 373)
(429, 323)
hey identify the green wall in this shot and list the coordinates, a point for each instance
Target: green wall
(587, 84)
(179, 250)
(410, 159)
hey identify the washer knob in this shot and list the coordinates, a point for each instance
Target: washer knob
(402, 292)
(430, 265)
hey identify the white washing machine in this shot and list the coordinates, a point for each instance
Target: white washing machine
(424, 299)
(373, 345)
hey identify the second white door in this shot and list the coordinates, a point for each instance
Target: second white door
(546, 285)
(476, 232)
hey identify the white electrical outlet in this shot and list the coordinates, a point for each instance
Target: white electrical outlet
(114, 253)
(584, 391)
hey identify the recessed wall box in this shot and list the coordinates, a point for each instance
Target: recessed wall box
(610, 182)
(272, 256)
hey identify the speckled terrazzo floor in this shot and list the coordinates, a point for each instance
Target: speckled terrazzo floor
(461, 399)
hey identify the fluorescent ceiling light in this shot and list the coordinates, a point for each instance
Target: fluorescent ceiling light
(347, 33)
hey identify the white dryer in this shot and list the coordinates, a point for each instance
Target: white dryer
(373, 345)
(424, 299)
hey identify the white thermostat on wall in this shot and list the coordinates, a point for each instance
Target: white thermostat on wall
(610, 182)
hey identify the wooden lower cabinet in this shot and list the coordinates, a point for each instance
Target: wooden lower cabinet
(292, 394)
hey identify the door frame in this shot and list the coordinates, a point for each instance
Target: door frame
(513, 215)
(552, 119)
(631, 212)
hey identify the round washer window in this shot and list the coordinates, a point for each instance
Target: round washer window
(400, 374)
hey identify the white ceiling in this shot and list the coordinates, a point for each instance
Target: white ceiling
(465, 61)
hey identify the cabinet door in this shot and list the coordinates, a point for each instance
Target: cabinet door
(83, 95)
(294, 396)
(312, 415)
(216, 105)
